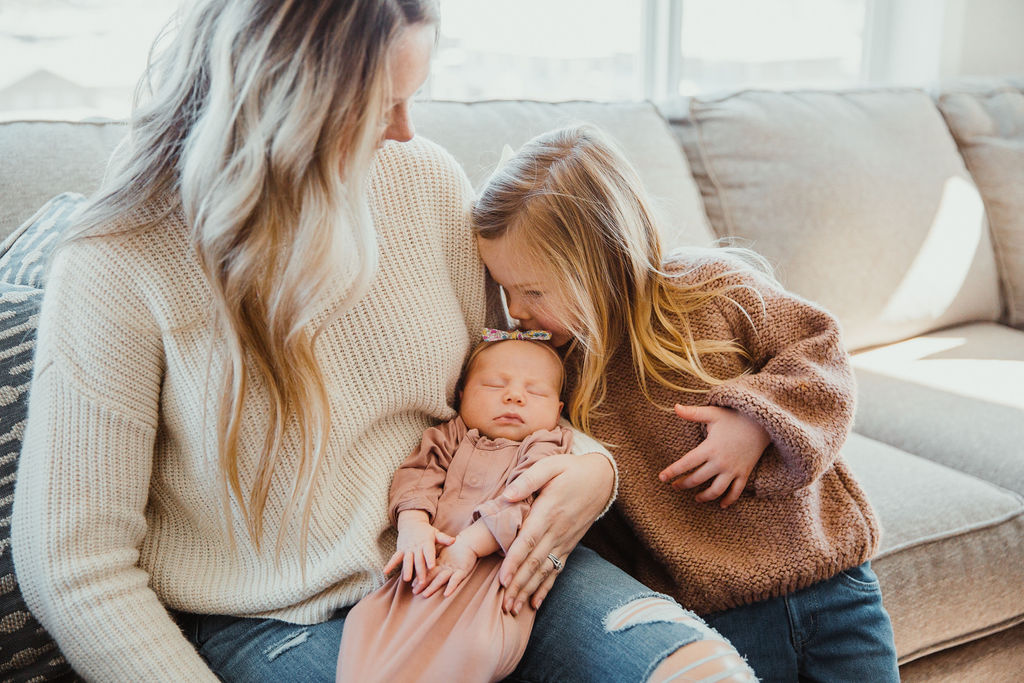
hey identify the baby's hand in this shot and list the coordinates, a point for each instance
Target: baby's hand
(727, 456)
(454, 563)
(417, 541)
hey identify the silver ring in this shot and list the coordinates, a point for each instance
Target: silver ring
(555, 561)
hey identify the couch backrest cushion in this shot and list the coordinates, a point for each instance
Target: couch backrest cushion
(475, 134)
(988, 126)
(40, 159)
(859, 198)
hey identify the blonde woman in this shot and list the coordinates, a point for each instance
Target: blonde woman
(724, 398)
(220, 400)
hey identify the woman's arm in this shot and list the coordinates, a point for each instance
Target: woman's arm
(84, 474)
(572, 491)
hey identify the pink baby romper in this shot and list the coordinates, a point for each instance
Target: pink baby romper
(456, 476)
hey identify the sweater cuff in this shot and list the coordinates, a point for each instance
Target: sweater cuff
(418, 503)
(583, 444)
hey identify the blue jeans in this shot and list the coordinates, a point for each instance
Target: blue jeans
(570, 641)
(834, 630)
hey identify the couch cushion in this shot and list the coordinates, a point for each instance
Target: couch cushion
(25, 254)
(859, 198)
(998, 657)
(476, 132)
(989, 129)
(28, 651)
(951, 565)
(42, 158)
(955, 396)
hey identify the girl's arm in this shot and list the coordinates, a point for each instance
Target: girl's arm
(801, 390)
(84, 474)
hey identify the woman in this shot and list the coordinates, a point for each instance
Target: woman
(220, 395)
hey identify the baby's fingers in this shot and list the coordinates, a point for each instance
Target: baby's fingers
(394, 562)
(440, 578)
(458, 576)
(421, 564)
(407, 566)
(443, 538)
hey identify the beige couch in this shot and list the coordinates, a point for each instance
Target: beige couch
(900, 210)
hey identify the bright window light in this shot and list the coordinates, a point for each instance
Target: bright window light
(771, 43)
(539, 49)
(70, 59)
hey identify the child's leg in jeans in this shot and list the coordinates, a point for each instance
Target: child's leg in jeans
(853, 639)
(600, 624)
(833, 630)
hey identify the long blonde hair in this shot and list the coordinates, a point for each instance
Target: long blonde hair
(575, 204)
(259, 121)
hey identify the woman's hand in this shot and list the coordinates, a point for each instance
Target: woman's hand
(417, 541)
(726, 457)
(572, 490)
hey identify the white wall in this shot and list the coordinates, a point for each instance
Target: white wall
(983, 38)
(923, 42)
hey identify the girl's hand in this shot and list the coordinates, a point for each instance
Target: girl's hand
(454, 564)
(572, 490)
(417, 540)
(726, 457)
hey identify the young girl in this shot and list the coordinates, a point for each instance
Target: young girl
(710, 383)
(448, 492)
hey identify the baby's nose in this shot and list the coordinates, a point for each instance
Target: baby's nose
(514, 396)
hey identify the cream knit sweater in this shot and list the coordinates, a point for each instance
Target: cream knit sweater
(118, 510)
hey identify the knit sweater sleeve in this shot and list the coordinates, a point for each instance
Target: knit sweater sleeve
(84, 474)
(801, 386)
(503, 518)
(420, 478)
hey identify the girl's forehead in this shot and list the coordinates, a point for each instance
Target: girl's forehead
(508, 265)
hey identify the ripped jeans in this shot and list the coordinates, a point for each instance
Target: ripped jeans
(597, 624)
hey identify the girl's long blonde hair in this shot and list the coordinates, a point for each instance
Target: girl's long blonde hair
(259, 121)
(572, 202)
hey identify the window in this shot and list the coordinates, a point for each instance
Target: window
(70, 59)
(539, 49)
(782, 43)
(81, 58)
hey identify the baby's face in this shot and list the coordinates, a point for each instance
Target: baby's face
(512, 390)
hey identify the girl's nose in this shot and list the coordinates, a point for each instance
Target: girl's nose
(515, 308)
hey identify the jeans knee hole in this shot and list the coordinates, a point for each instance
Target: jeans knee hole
(288, 642)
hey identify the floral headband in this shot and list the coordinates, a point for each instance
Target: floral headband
(489, 334)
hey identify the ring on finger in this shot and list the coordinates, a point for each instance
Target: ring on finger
(555, 561)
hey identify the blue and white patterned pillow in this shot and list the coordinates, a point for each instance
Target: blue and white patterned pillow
(27, 653)
(25, 254)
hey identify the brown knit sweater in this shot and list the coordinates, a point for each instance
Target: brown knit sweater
(802, 518)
